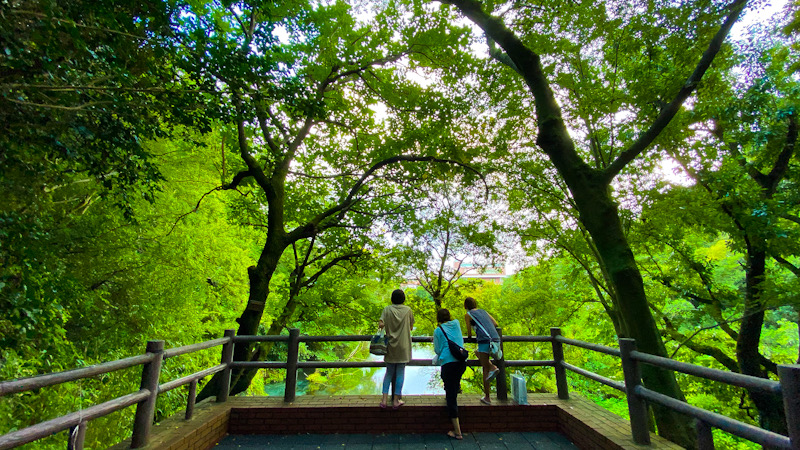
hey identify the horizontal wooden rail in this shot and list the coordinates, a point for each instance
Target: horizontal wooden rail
(260, 338)
(351, 364)
(530, 363)
(367, 337)
(177, 351)
(40, 381)
(258, 365)
(168, 386)
(44, 429)
(359, 364)
(589, 346)
(353, 338)
(741, 429)
(527, 339)
(732, 378)
(357, 338)
(593, 376)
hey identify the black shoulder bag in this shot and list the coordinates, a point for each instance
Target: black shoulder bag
(459, 352)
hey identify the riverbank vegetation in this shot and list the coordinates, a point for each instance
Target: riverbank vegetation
(173, 169)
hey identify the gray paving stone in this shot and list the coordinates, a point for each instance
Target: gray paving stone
(560, 440)
(490, 441)
(359, 438)
(386, 442)
(428, 441)
(334, 446)
(468, 443)
(434, 441)
(411, 439)
(548, 441)
(514, 440)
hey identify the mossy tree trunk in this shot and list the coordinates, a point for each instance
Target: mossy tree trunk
(590, 190)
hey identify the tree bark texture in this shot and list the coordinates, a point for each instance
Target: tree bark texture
(260, 276)
(600, 217)
(770, 407)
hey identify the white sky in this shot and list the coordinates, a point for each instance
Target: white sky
(760, 14)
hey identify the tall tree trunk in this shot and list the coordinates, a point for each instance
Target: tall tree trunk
(770, 407)
(242, 379)
(600, 217)
(260, 276)
(437, 299)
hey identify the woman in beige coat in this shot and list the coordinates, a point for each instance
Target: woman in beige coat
(398, 320)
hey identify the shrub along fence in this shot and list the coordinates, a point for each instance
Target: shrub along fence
(638, 396)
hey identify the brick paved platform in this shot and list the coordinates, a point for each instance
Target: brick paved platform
(587, 425)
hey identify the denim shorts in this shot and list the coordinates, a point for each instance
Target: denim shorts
(483, 347)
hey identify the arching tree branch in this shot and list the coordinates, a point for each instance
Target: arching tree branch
(666, 114)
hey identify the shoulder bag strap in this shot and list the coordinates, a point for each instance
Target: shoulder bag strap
(445, 334)
(479, 324)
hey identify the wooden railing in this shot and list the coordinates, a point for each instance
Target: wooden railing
(638, 396)
(144, 398)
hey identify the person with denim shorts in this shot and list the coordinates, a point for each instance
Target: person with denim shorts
(485, 334)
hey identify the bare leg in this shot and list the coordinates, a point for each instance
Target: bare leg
(385, 398)
(487, 366)
(456, 428)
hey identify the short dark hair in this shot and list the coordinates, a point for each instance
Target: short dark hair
(443, 315)
(470, 303)
(398, 296)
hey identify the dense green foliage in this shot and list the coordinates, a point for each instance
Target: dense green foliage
(95, 287)
(169, 170)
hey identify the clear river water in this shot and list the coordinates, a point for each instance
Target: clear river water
(419, 380)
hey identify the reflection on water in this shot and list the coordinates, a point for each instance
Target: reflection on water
(419, 380)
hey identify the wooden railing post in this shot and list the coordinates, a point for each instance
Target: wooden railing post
(558, 359)
(705, 438)
(637, 407)
(227, 358)
(145, 410)
(191, 400)
(789, 375)
(77, 435)
(290, 390)
(502, 384)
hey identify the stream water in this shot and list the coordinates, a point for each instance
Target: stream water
(419, 380)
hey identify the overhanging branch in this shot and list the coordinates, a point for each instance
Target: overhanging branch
(314, 225)
(237, 180)
(666, 114)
